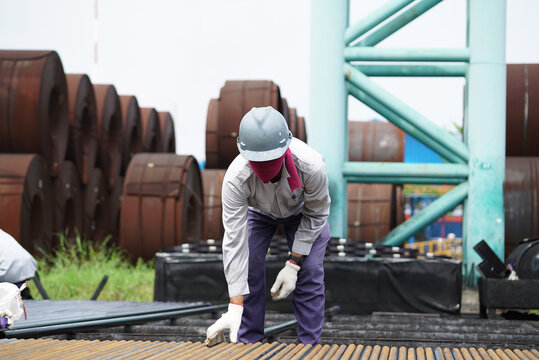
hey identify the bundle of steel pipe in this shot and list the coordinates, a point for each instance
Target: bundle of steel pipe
(34, 105)
(151, 132)
(82, 149)
(25, 200)
(236, 98)
(132, 125)
(162, 203)
(168, 137)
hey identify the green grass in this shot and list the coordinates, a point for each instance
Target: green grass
(74, 270)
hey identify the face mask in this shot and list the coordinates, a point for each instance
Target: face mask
(267, 170)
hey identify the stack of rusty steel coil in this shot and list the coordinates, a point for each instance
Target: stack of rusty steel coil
(65, 145)
(236, 98)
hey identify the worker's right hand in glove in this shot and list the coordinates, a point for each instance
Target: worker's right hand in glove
(285, 282)
(229, 320)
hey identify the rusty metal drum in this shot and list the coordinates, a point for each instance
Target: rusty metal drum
(95, 212)
(521, 200)
(522, 116)
(168, 137)
(109, 132)
(375, 141)
(212, 183)
(25, 201)
(151, 132)
(132, 129)
(212, 140)
(34, 105)
(67, 202)
(235, 100)
(161, 204)
(82, 148)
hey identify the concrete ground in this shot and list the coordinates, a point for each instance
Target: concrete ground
(470, 301)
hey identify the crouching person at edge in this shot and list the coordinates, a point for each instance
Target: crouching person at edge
(276, 179)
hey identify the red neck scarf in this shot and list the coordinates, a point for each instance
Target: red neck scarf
(267, 170)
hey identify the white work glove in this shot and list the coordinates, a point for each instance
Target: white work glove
(285, 282)
(229, 320)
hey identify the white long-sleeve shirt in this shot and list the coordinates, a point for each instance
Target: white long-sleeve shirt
(242, 190)
(16, 264)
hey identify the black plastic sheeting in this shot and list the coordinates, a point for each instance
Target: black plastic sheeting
(358, 285)
(508, 294)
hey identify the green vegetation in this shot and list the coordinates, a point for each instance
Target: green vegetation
(74, 270)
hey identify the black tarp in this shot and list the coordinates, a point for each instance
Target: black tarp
(358, 285)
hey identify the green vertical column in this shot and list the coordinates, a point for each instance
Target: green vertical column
(485, 129)
(328, 97)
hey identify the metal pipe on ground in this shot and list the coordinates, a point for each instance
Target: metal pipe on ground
(25, 201)
(151, 133)
(82, 148)
(109, 321)
(109, 132)
(167, 137)
(34, 107)
(132, 129)
(67, 202)
(161, 205)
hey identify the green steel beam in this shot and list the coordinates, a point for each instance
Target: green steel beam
(402, 123)
(373, 19)
(361, 81)
(485, 129)
(398, 22)
(404, 180)
(398, 169)
(328, 133)
(394, 54)
(431, 213)
(446, 70)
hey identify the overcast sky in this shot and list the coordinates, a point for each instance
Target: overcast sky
(176, 55)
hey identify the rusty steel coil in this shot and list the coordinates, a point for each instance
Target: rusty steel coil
(302, 129)
(151, 132)
(522, 116)
(375, 141)
(161, 204)
(109, 132)
(212, 183)
(369, 211)
(167, 137)
(521, 200)
(293, 121)
(67, 201)
(235, 100)
(113, 204)
(285, 109)
(34, 105)
(212, 140)
(25, 200)
(82, 148)
(132, 129)
(95, 212)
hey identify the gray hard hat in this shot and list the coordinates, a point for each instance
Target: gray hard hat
(263, 134)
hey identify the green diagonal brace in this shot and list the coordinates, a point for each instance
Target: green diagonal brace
(400, 108)
(431, 213)
(373, 19)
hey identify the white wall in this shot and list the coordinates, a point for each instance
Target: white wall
(176, 55)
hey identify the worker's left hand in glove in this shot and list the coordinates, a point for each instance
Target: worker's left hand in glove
(229, 320)
(285, 282)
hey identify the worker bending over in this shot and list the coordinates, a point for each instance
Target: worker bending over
(276, 179)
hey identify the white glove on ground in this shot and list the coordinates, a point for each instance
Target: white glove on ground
(229, 320)
(285, 282)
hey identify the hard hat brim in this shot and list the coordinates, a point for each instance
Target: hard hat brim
(264, 155)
